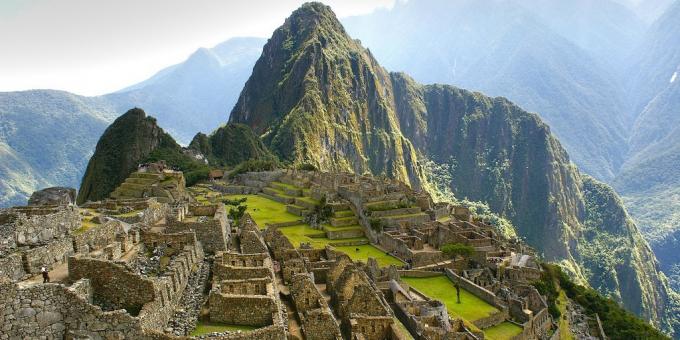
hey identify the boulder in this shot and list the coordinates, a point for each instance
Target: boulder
(53, 196)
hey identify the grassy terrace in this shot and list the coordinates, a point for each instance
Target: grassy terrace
(503, 331)
(264, 210)
(205, 327)
(301, 233)
(470, 308)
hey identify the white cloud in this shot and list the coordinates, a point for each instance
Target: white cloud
(674, 76)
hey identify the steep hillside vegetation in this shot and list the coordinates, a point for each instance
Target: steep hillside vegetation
(542, 61)
(317, 96)
(230, 145)
(132, 139)
(649, 180)
(128, 141)
(46, 138)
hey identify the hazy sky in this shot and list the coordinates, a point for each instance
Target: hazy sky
(93, 47)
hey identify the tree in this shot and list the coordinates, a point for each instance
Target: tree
(457, 249)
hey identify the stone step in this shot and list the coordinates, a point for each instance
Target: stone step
(336, 207)
(382, 205)
(344, 221)
(396, 212)
(147, 175)
(344, 233)
(350, 242)
(306, 202)
(142, 181)
(284, 200)
(287, 189)
(343, 213)
(412, 218)
(297, 210)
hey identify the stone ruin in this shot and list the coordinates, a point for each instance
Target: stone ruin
(143, 267)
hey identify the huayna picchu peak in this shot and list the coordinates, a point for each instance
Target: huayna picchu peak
(338, 201)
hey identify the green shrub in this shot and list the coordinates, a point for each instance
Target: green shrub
(457, 249)
(253, 165)
(237, 212)
(235, 202)
(307, 167)
(376, 224)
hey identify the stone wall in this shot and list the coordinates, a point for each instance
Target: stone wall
(476, 290)
(248, 310)
(12, 267)
(39, 226)
(251, 243)
(112, 283)
(52, 311)
(98, 237)
(212, 233)
(48, 255)
(317, 320)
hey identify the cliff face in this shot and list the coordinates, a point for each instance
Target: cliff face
(129, 140)
(317, 96)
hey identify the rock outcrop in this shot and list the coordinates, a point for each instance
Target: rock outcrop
(53, 196)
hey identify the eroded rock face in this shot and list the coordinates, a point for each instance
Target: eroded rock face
(53, 196)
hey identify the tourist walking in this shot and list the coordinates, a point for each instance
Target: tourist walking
(45, 275)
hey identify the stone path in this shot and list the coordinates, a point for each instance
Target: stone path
(58, 274)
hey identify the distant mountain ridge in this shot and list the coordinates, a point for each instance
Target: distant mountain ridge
(192, 96)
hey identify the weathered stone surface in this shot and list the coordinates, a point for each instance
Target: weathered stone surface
(53, 196)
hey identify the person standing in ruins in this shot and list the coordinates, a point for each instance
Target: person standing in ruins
(45, 275)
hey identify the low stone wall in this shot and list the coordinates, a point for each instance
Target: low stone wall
(247, 310)
(341, 234)
(97, 237)
(213, 233)
(169, 289)
(12, 267)
(52, 311)
(476, 290)
(112, 283)
(418, 273)
(275, 332)
(48, 255)
(222, 272)
(491, 320)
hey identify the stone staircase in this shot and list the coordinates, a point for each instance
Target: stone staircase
(344, 224)
(393, 212)
(136, 185)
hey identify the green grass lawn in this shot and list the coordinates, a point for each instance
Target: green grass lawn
(205, 327)
(264, 210)
(299, 233)
(441, 288)
(503, 331)
(366, 251)
(287, 186)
